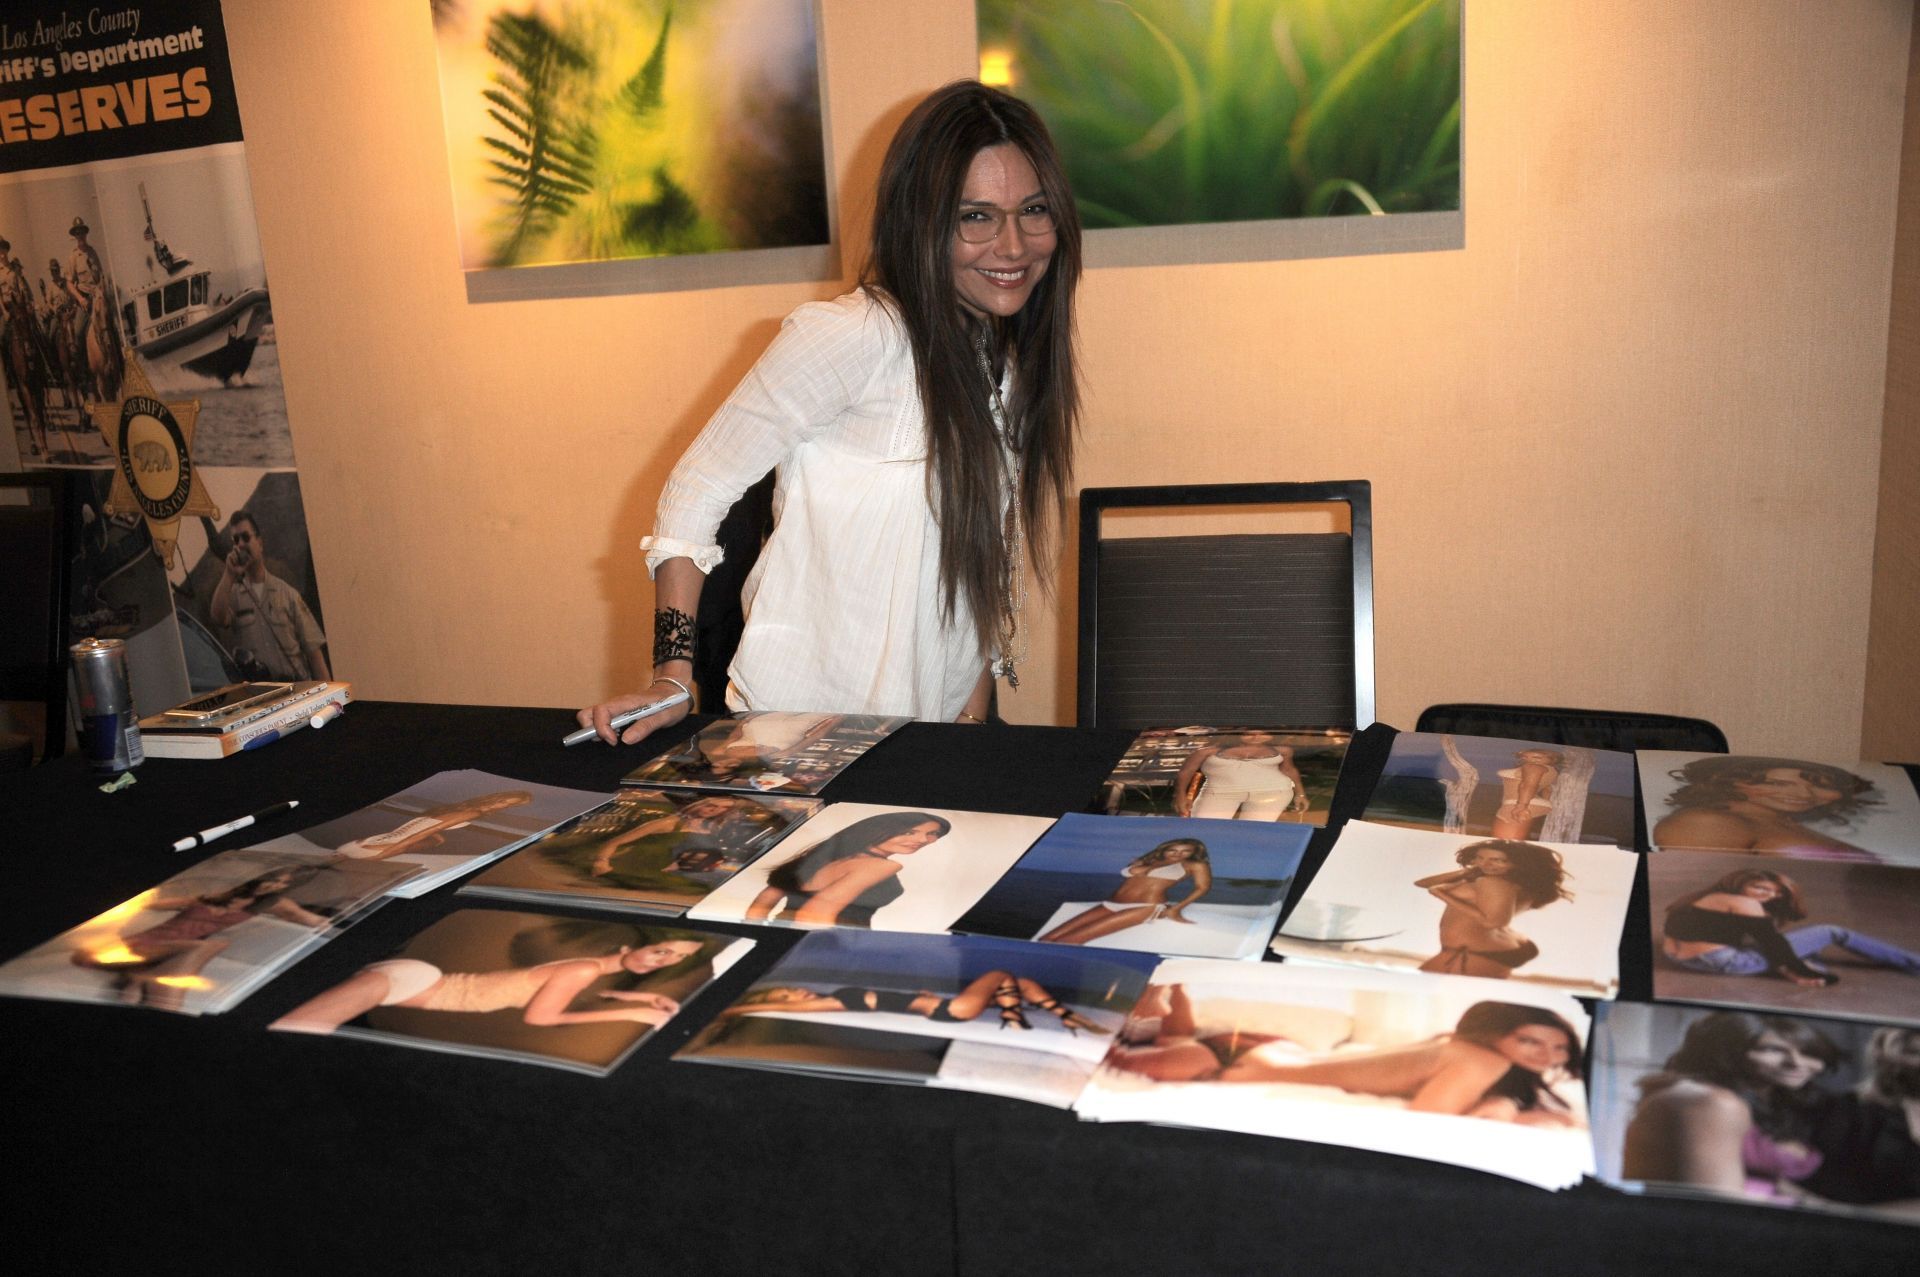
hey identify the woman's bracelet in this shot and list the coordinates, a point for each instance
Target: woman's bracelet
(668, 678)
(673, 632)
(970, 718)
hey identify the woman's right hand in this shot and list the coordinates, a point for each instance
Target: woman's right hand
(599, 717)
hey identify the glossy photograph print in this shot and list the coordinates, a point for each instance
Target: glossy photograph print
(1431, 1066)
(1495, 908)
(874, 867)
(1228, 773)
(647, 850)
(1822, 937)
(596, 130)
(1003, 1017)
(576, 993)
(1503, 788)
(1171, 112)
(1204, 888)
(1786, 1111)
(1803, 808)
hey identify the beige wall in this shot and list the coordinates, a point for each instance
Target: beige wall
(1624, 446)
(1892, 726)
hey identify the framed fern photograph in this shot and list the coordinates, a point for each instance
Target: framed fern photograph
(1226, 130)
(599, 146)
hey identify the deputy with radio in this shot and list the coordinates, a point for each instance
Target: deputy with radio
(264, 616)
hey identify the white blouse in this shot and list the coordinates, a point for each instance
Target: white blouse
(843, 606)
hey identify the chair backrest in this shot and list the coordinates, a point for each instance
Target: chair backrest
(720, 620)
(36, 562)
(1592, 728)
(1268, 629)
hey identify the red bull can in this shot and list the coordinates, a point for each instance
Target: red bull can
(109, 735)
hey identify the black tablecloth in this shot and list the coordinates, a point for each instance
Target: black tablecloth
(165, 1143)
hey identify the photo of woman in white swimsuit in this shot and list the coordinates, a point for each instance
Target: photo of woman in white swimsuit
(1253, 779)
(1143, 892)
(1526, 792)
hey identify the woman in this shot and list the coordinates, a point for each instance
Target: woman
(946, 384)
(760, 750)
(842, 880)
(1735, 803)
(1526, 792)
(1497, 878)
(157, 966)
(1499, 1063)
(608, 846)
(1142, 894)
(1254, 779)
(427, 830)
(542, 993)
(1732, 1109)
(1000, 989)
(1738, 927)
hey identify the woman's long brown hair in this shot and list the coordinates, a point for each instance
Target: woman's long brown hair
(910, 269)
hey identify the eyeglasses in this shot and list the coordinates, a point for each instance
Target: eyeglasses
(977, 224)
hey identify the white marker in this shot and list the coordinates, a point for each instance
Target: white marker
(629, 717)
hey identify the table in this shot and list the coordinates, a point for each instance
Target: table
(164, 1143)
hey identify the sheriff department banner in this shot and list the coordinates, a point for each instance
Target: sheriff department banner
(138, 345)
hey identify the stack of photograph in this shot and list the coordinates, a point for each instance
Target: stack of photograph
(649, 850)
(447, 825)
(1436, 1067)
(574, 993)
(876, 867)
(203, 940)
(1029, 1021)
(1501, 788)
(1535, 913)
(1204, 888)
(1784, 884)
(768, 752)
(1791, 1111)
(1228, 773)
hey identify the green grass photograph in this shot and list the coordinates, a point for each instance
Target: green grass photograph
(1172, 112)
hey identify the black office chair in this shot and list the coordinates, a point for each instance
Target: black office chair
(719, 621)
(1593, 728)
(1267, 629)
(36, 562)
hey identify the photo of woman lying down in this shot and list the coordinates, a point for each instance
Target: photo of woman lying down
(1500, 1062)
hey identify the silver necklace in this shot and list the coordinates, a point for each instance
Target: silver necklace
(1012, 638)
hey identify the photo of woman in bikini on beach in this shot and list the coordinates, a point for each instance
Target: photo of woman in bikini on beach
(1206, 888)
(1526, 791)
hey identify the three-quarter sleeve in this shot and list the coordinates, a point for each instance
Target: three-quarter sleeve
(820, 364)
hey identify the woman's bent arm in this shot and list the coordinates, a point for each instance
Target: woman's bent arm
(676, 598)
